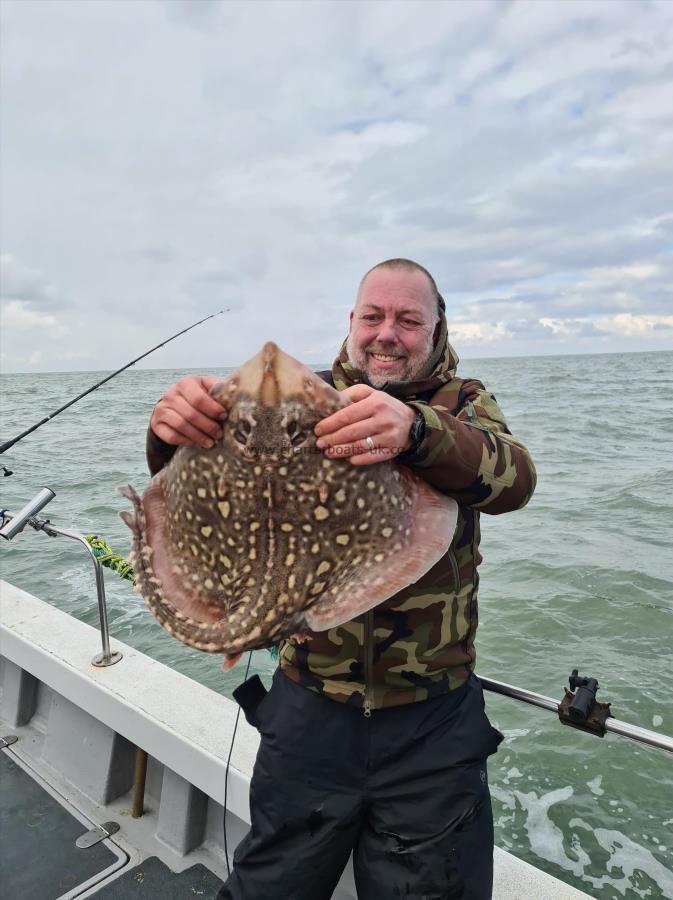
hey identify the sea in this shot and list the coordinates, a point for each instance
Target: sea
(582, 578)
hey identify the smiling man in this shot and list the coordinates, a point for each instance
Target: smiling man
(393, 324)
(374, 738)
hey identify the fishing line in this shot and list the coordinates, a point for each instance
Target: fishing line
(7, 444)
(226, 772)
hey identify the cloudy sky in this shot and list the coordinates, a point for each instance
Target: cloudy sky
(163, 159)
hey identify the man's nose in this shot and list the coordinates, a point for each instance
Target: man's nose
(387, 333)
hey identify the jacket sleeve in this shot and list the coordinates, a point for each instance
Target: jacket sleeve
(158, 452)
(468, 452)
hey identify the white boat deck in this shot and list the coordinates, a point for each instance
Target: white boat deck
(79, 727)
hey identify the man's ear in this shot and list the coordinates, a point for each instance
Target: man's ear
(350, 320)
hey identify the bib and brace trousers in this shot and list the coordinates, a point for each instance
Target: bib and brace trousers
(405, 790)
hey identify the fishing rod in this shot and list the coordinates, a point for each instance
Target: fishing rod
(19, 437)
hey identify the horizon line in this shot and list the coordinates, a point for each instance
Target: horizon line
(322, 364)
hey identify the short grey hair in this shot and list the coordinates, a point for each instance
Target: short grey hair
(407, 265)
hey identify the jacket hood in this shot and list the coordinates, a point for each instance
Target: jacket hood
(440, 367)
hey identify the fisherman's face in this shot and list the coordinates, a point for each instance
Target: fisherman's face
(392, 326)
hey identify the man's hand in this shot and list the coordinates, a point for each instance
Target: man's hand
(372, 414)
(187, 415)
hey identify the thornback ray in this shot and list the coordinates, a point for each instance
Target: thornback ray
(262, 537)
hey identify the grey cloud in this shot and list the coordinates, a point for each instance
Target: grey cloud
(520, 151)
(199, 14)
(158, 255)
(29, 286)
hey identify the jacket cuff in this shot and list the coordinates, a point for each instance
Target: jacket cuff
(158, 452)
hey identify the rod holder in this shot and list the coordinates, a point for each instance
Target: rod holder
(16, 523)
(616, 726)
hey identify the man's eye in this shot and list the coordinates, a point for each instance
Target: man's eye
(410, 323)
(370, 318)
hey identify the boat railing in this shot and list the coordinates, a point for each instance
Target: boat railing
(13, 524)
(578, 709)
(576, 719)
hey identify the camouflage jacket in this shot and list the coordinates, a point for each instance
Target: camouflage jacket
(420, 642)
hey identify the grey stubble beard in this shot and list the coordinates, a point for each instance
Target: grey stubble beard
(359, 360)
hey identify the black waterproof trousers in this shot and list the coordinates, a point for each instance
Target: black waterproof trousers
(405, 790)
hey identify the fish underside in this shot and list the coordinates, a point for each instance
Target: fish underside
(261, 537)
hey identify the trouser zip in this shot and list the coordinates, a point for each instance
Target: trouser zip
(368, 702)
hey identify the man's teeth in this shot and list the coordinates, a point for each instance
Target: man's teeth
(384, 358)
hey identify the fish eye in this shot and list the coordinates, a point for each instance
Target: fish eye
(295, 433)
(242, 431)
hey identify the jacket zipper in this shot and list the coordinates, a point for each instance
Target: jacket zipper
(368, 702)
(368, 641)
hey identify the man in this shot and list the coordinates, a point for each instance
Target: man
(374, 736)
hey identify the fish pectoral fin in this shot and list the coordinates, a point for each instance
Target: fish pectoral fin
(175, 587)
(431, 522)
